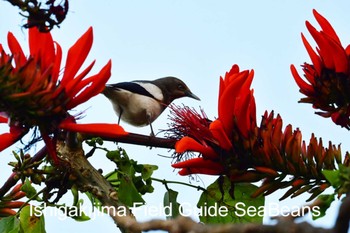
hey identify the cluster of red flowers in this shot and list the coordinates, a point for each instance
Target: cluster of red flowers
(328, 78)
(204, 137)
(235, 146)
(33, 93)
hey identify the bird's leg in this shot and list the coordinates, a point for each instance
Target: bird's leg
(120, 115)
(152, 132)
(150, 124)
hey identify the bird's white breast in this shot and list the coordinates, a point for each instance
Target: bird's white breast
(139, 110)
(146, 108)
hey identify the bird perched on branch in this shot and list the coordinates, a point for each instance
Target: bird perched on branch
(140, 102)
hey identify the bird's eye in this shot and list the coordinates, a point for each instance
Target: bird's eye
(181, 87)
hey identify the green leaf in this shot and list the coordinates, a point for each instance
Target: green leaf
(113, 178)
(113, 155)
(29, 189)
(94, 201)
(82, 217)
(75, 212)
(333, 177)
(9, 225)
(216, 204)
(128, 194)
(324, 202)
(131, 179)
(75, 193)
(113, 175)
(147, 170)
(171, 206)
(31, 223)
(94, 141)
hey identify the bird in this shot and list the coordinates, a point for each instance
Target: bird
(140, 102)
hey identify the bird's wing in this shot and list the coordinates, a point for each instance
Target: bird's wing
(132, 87)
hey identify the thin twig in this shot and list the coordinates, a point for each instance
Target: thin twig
(12, 180)
(163, 181)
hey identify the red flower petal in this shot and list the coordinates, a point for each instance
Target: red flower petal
(77, 55)
(189, 144)
(50, 146)
(41, 47)
(70, 87)
(252, 110)
(277, 131)
(222, 87)
(239, 81)
(249, 79)
(347, 50)
(314, 58)
(339, 56)
(340, 119)
(16, 50)
(206, 171)
(225, 82)
(326, 26)
(217, 129)
(199, 163)
(98, 83)
(242, 113)
(4, 119)
(325, 49)
(98, 129)
(304, 87)
(57, 64)
(7, 139)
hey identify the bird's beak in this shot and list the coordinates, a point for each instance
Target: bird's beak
(191, 95)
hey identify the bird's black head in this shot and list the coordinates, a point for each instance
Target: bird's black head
(173, 88)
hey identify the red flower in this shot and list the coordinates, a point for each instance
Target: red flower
(328, 77)
(15, 133)
(33, 93)
(236, 111)
(236, 147)
(236, 101)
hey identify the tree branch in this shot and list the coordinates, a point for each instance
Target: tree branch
(186, 225)
(88, 179)
(138, 139)
(342, 223)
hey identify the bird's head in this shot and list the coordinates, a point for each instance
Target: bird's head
(173, 88)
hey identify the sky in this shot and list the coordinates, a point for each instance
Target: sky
(197, 41)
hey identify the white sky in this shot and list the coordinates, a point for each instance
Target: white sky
(196, 41)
